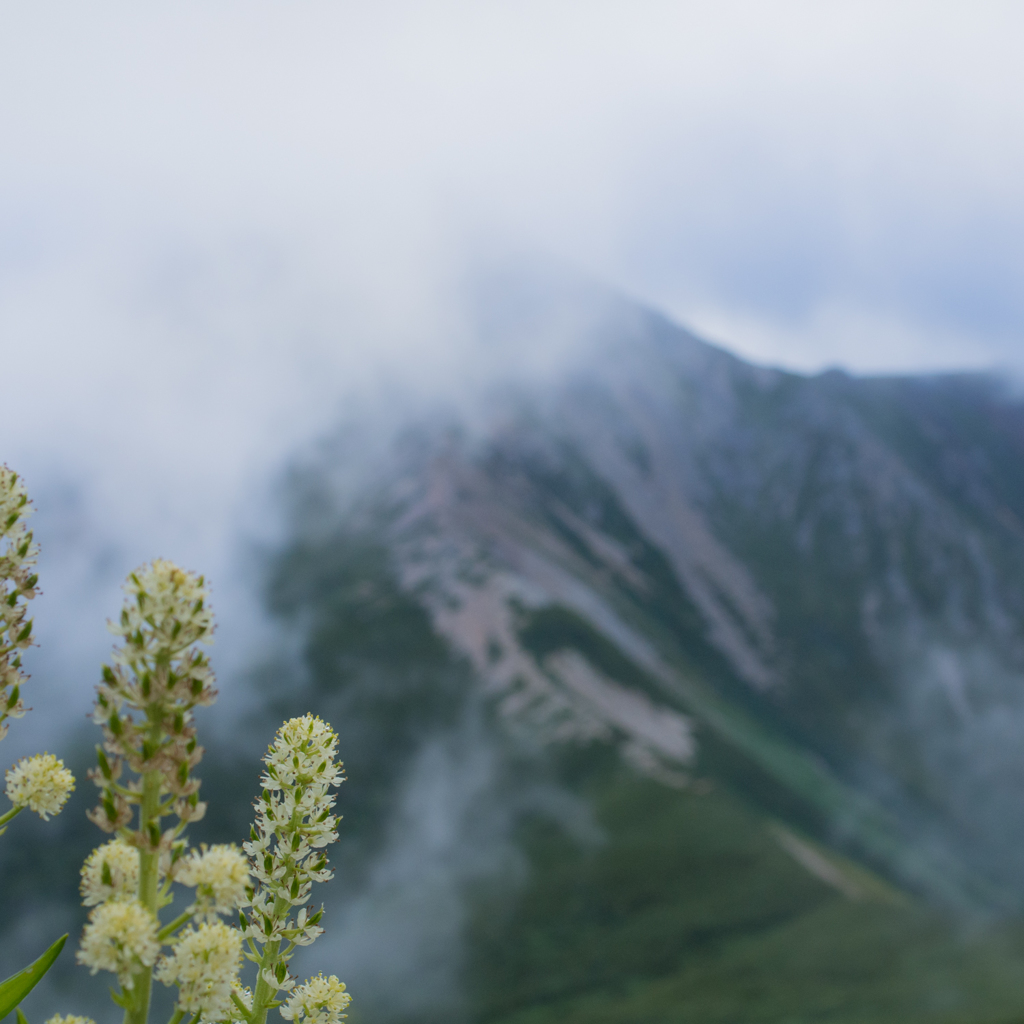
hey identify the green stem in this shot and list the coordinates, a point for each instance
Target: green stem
(4, 818)
(263, 995)
(177, 1016)
(169, 929)
(241, 1006)
(149, 871)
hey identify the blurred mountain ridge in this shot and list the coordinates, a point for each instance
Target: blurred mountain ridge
(788, 610)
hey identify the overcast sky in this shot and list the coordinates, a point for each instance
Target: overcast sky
(218, 218)
(820, 182)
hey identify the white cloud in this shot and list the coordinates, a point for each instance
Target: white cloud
(856, 339)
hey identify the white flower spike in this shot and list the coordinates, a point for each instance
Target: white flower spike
(18, 555)
(294, 822)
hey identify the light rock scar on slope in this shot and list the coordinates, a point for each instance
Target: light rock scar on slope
(566, 697)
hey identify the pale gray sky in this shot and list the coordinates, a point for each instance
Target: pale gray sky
(217, 218)
(817, 183)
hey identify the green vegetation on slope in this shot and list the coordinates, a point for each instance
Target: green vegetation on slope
(370, 664)
(767, 768)
(687, 909)
(672, 905)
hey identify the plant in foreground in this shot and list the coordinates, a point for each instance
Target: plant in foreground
(41, 782)
(145, 704)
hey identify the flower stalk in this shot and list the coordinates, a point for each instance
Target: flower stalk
(145, 704)
(40, 783)
(294, 822)
(18, 555)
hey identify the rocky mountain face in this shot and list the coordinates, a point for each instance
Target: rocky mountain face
(824, 573)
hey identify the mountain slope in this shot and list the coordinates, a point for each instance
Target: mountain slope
(822, 571)
(582, 888)
(670, 688)
(788, 606)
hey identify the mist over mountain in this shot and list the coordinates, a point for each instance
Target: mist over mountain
(669, 687)
(802, 590)
(837, 558)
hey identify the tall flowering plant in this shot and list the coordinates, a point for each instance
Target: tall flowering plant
(41, 782)
(248, 902)
(148, 796)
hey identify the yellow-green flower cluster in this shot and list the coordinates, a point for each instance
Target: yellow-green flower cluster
(294, 822)
(145, 700)
(166, 609)
(120, 937)
(220, 876)
(204, 966)
(41, 783)
(18, 554)
(319, 1001)
(71, 1018)
(110, 872)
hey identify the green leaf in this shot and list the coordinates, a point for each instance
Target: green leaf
(122, 999)
(22, 1019)
(17, 986)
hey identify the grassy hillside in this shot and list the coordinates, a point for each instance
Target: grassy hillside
(689, 909)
